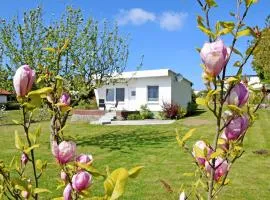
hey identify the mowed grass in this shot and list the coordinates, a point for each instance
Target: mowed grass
(156, 149)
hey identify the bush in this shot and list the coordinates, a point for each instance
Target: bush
(87, 104)
(134, 116)
(146, 113)
(191, 108)
(124, 113)
(11, 105)
(172, 110)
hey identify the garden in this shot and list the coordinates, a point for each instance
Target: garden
(217, 147)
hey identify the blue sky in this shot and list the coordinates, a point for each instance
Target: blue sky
(163, 31)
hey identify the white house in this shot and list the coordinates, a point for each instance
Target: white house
(147, 87)
(3, 95)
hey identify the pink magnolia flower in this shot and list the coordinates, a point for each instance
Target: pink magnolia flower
(225, 145)
(25, 194)
(64, 152)
(238, 95)
(84, 159)
(236, 127)
(24, 159)
(203, 146)
(67, 194)
(81, 181)
(23, 80)
(63, 175)
(65, 99)
(182, 196)
(221, 168)
(214, 56)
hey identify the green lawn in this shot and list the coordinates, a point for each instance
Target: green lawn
(155, 148)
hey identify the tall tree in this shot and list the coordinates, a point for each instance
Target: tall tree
(261, 61)
(94, 51)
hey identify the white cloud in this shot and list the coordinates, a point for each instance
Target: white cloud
(136, 16)
(172, 21)
(169, 20)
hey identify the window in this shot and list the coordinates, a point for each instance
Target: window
(133, 93)
(110, 94)
(152, 93)
(120, 94)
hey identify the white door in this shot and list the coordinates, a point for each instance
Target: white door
(132, 99)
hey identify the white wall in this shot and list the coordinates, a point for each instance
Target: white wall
(3, 99)
(140, 85)
(181, 92)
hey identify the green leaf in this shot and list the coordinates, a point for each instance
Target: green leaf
(246, 32)
(217, 153)
(41, 190)
(237, 52)
(206, 31)
(200, 21)
(30, 148)
(224, 31)
(65, 46)
(250, 2)
(35, 100)
(91, 169)
(39, 164)
(188, 135)
(211, 3)
(227, 24)
(237, 64)
(232, 79)
(134, 172)
(16, 122)
(49, 49)
(45, 90)
(201, 101)
(18, 141)
(114, 185)
(235, 109)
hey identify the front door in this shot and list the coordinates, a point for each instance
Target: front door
(132, 99)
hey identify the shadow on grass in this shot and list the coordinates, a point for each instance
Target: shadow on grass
(131, 140)
(198, 112)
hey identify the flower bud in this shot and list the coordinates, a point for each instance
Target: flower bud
(67, 194)
(65, 99)
(24, 159)
(64, 152)
(85, 159)
(236, 127)
(221, 168)
(81, 181)
(204, 147)
(214, 56)
(238, 95)
(182, 196)
(225, 143)
(63, 175)
(23, 80)
(25, 194)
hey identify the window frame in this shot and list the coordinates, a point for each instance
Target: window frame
(155, 100)
(107, 96)
(122, 88)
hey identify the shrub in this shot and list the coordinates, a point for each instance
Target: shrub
(146, 113)
(85, 104)
(134, 116)
(124, 113)
(172, 110)
(12, 106)
(191, 108)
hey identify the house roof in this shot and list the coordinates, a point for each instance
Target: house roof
(149, 73)
(4, 92)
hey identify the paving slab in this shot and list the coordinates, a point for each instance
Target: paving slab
(141, 122)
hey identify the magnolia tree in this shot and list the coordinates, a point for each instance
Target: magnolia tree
(21, 179)
(227, 99)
